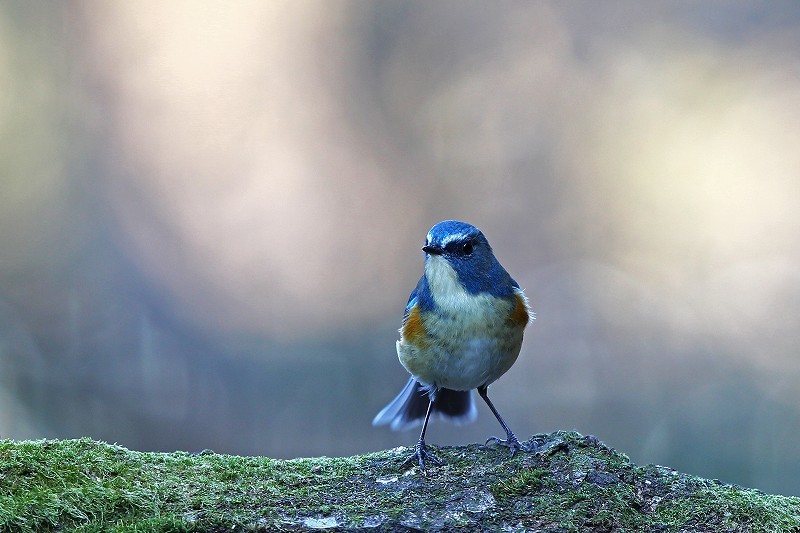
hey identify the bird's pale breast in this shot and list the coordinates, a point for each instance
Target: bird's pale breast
(466, 341)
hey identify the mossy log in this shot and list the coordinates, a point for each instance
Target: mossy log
(572, 483)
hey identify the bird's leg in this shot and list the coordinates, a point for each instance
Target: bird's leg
(421, 453)
(511, 442)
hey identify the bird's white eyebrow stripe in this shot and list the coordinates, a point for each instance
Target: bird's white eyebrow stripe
(453, 237)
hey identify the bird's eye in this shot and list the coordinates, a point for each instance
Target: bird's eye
(467, 248)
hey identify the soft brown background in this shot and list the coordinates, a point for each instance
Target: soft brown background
(211, 215)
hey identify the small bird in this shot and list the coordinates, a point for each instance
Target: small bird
(462, 329)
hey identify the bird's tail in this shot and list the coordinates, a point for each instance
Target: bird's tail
(409, 407)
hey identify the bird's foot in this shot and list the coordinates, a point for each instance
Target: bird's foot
(421, 455)
(512, 443)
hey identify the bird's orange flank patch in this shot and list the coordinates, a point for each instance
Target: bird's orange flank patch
(413, 330)
(519, 315)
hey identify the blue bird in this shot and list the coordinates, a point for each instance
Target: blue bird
(462, 329)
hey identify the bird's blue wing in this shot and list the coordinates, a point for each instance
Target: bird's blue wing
(412, 300)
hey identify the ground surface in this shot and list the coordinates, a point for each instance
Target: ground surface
(574, 483)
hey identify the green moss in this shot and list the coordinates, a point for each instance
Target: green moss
(573, 483)
(524, 482)
(729, 507)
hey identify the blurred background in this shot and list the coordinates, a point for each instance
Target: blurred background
(211, 216)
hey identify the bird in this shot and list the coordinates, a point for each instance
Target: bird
(462, 329)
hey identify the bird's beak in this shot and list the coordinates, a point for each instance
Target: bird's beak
(432, 250)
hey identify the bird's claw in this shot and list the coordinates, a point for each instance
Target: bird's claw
(513, 444)
(421, 455)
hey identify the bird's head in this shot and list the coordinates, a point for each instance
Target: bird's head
(466, 251)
